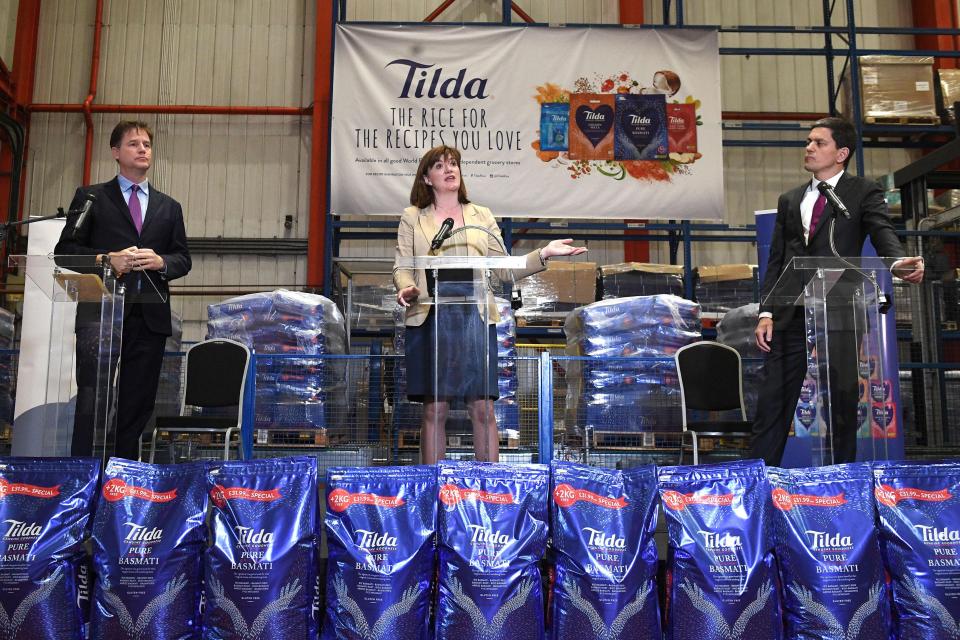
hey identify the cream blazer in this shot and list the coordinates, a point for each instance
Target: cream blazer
(417, 230)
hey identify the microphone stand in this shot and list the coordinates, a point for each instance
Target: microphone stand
(6, 227)
(883, 303)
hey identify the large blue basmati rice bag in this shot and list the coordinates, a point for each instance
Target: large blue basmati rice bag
(260, 567)
(381, 538)
(722, 582)
(828, 550)
(46, 506)
(919, 509)
(492, 531)
(148, 539)
(606, 558)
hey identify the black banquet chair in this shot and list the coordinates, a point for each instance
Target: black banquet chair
(711, 379)
(216, 375)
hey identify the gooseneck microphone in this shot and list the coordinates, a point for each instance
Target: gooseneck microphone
(442, 235)
(87, 204)
(826, 190)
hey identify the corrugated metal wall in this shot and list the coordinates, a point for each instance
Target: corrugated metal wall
(239, 176)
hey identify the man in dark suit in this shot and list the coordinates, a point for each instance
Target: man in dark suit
(140, 232)
(780, 329)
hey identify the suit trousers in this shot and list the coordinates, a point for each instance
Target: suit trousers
(781, 381)
(138, 377)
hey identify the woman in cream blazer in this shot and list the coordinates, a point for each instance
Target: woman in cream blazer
(438, 193)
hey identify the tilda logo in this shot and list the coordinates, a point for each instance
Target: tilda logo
(566, 496)
(18, 530)
(677, 122)
(639, 119)
(824, 540)
(933, 535)
(139, 533)
(116, 489)
(21, 489)
(489, 536)
(248, 535)
(373, 540)
(340, 500)
(600, 540)
(724, 540)
(425, 84)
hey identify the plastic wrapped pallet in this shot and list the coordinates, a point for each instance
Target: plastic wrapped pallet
(894, 89)
(632, 386)
(737, 330)
(7, 366)
(639, 279)
(549, 295)
(949, 92)
(723, 287)
(291, 392)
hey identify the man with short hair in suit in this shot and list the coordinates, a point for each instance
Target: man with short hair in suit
(780, 330)
(140, 231)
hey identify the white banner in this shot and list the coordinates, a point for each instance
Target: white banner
(552, 122)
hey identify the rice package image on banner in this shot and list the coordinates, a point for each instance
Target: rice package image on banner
(148, 539)
(828, 551)
(46, 507)
(603, 523)
(919, 509)
(492, 532)
(721, 579)
(381, 527)
(260, 570)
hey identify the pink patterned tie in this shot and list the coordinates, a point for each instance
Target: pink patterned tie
(136, 213)
(818, 208)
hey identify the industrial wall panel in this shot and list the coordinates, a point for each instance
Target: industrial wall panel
(64, 45)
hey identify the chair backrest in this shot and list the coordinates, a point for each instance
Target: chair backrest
(711, 378)
(216, 373)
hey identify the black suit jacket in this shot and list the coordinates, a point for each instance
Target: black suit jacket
(110, 228)
(868, 217)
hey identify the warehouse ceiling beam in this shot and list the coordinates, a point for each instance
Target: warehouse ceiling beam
(172, 109)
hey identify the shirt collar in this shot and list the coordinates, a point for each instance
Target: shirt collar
(832, 181)
(126, 183)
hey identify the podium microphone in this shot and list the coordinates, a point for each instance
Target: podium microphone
(442, 235)
(88, 203)
(826, 190)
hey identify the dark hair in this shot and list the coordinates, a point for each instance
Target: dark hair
(843, 132)
(421, 195)
(116, 137)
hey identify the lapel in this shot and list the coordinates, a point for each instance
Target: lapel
(794, 220)
(153, 209)
(428, 228)
(474, 241)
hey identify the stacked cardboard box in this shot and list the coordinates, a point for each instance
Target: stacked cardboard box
(640, 279)
(725, 286)
(895, 89)
(549, 295)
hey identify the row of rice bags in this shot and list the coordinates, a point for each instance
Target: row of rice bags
(632, 386)
(852, 551)
(154, 555)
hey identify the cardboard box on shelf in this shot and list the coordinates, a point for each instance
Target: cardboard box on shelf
(562, 287)
(639, 279)
(895, 90)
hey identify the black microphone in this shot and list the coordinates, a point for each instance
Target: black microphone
(88, 203)
(442, 235)
(826, 190)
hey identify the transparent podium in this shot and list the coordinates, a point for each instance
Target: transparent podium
(843, 306)
(63, 352)
(458, 291)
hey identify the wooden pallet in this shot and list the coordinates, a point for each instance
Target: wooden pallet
(907, 120)
(291, 438)
(540, 322)
(410, 439)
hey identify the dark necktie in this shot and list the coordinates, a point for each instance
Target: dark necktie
(135, 212)
(818, 208)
